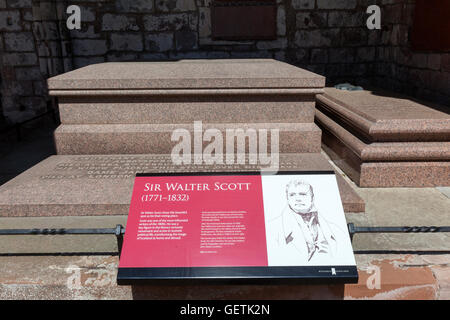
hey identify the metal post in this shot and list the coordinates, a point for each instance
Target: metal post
(119, 236)
(351, 230)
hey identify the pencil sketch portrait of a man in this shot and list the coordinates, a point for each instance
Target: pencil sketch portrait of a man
(301, 234)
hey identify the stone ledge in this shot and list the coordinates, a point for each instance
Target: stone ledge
(102, 185)
(156, 138)
(381, 116)
(188, 74)
(385, 151)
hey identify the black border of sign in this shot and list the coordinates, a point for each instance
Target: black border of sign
(237, 275)
(228, 173)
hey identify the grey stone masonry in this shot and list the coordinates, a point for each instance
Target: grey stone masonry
(329, 37)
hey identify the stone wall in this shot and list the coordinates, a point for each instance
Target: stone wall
(398, 67)
(329, 37)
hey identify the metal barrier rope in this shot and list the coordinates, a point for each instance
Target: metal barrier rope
(119, 231)
(352, 229)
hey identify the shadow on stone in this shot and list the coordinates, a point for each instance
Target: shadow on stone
(238, 292)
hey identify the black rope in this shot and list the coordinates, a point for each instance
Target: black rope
(119, 231)
(352, 229)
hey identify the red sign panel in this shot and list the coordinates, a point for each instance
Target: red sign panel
(237, 226)
(196, 221)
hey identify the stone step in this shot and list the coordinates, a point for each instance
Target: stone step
(385, 151)
(381, 116)
(156, 138)
(93, 185)
(147, 109)
(385, 164)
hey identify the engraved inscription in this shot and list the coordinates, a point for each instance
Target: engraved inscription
(125, 167)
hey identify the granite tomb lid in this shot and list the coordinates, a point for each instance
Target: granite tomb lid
(380, 115)
(188, 74)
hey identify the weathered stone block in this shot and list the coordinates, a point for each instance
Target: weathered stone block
(366, 54)
(87, 14)
(32, 73)
(119, 22)
(204, 27)
(19, 3)
(134, 6)
(21, 88)
(50, 31)
(175, 5)
(23, 41)
(354, 37)
(347, 19)
(45, 10)
(186, 40)
(33, 104)
(10, 21)
(88, 47)
(280, 43)
(305, 20)
(40, 88)
(87, 31)
(159, 42)
(28, 15)
(317, 38)
(445, 63)
(281, 21)
(169, 22)
(126, 42)
(303, 4)
(319, 56)
(20, 59)
(336, 4)
(434, 61)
